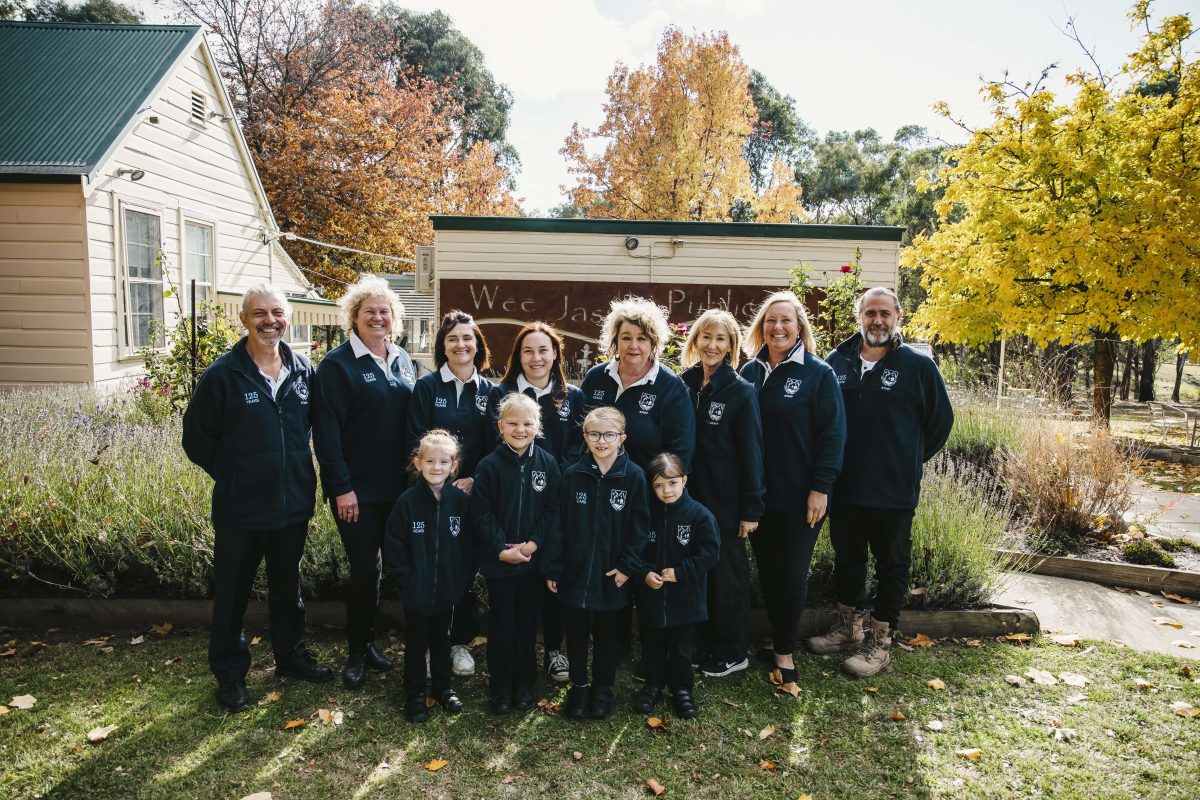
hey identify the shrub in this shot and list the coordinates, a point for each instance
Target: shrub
(170, 373)
(1147, 552)
(1067, 485)
(1177, 544)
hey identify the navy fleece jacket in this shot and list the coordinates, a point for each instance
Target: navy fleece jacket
(604, 524)
(898, 416)
(683, 535)
(429, 547)
(658, 416)
(254, 447)
(804, 427)
(514, 499)
(434, 405)
(359, 414)
(562, 425)
(727, 471)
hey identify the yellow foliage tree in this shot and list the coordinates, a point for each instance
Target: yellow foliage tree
(1079, 219)
(674, 132)
(780, 201)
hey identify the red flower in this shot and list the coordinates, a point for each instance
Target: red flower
(846, 268)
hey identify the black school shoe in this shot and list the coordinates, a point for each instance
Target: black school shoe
(449, 701)
(684, 704)
(523, 698)
(501, 702)
(232, 696)
(304, 666)
(376, 661)
(600, 702)
(354, 674)
(576, 705)
(415, 708)
(647, 698)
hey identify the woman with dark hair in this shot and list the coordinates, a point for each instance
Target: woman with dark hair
(455, 397)
(535, 369)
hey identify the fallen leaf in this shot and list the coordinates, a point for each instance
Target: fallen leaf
(1178, 598)
(1184, 643)
(897, 716)
(1063, 734)
(38, 645)
(338, 716)
(171, 661)
(273, 697)
(577, 755)
(1066, 639)
(137, 640)
(1074, 679)
(1143, 684)
(258, 796)
(106, 650)
(1015, 680)
(295, 723)
(905, 647)
(805, 797)
(477, 641)
(972, 643)
(972, 753)
(3, 710)
(508, 779)
(917, 592)
(767, 764)
(766, 732)
(435, 764)
(787, 688)
(1041, 677)
(655, 787)
(100, 734)
(257, 640)
(1140, 593)
(23, 702)
(935, 725)
(921, 640)
(1167, 622)
(937, 684)
(101, 640)
(1018, 637)
(430, 702)
(325, 715)
(656, 724)
(161, 630)
(1185, 709)
(873, 689)
(9, 652)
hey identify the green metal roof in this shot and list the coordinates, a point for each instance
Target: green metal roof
(873, 233)
(68, 91)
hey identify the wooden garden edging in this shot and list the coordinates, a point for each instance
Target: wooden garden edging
(1133, 576)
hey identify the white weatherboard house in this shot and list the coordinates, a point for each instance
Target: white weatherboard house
(122, 174)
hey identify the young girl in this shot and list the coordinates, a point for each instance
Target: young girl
(593, 553)
(515, 505)
(429, 548)
(683, 547)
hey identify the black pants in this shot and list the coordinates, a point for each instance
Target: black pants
(602, 625)
(236, 556)
(783, 548)
(464, 622)
(512, 631)
(727, 632)
(426, 632)
(552, 619)
(667, 656)
(363, 541)
(888, 532)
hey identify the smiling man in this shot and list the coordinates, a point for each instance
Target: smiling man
(898, 416)
(248, 427)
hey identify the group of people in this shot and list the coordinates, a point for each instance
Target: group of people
(637, 488)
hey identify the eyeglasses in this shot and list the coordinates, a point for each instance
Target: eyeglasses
(608, 436)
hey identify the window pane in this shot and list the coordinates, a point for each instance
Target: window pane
(141, 245)
(197, 253)
(145, 304)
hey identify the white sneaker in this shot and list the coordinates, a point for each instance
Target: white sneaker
(461, 662)
(557, 666)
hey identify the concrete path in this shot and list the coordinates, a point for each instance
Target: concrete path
(1166, 513)
(1099, 612)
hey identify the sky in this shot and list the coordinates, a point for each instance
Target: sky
(849, 65)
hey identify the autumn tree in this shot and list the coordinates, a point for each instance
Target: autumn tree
(90, 11)
(1076, 219)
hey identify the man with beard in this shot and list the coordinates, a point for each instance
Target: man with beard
(897, 417)
(247, 426)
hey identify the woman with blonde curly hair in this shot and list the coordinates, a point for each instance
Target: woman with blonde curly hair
(658, 416)
(360, 403)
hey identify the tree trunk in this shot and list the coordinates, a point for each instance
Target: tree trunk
(1149, 370)
(1103, 366)
(1126, 372)
(1180, 363)
(1059, 367)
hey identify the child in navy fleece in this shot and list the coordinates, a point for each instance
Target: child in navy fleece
(596, 549)
(515, 504)
(682, 548)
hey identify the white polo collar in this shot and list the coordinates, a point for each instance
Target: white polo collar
(538, 394)
(612, 365)
(359, 349)
(796, 355)
(447, 376)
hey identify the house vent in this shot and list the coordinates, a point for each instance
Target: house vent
(199, 108)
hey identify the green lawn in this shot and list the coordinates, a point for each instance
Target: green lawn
(838, 740)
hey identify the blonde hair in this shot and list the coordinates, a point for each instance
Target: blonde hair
(754, 334)
(369, 286)
(438, 439)
(517, 402)
(640, 312)
(714, 317)
(609, 414)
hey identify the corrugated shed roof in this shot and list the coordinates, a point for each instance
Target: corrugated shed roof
(416, 304)
(68, 90)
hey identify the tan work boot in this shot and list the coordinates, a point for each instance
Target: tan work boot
(845, 635)
(873, 655)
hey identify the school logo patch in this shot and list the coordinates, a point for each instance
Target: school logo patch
(646, 402)
(564, 410)
(792, 386)
(418, 527)
(538, 480)
(716, 411)
(439, 402)
(683, 534)
(455, 525)
(481, 403)
(250, 397)
(617, 498)
(581, 498)
(301, 389)
(368, 377)
(407, 374)
(889, 377)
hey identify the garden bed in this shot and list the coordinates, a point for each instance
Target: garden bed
(1111, 573)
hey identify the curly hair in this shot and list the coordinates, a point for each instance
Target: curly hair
(713, 318)
(450, 321)
(369, 286)
(754, 334)
(639, 311)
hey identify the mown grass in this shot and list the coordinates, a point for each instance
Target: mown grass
(838, 740)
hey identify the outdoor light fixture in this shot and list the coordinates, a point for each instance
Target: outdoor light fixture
(220, 116)
(631, 243)
(134, 174)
